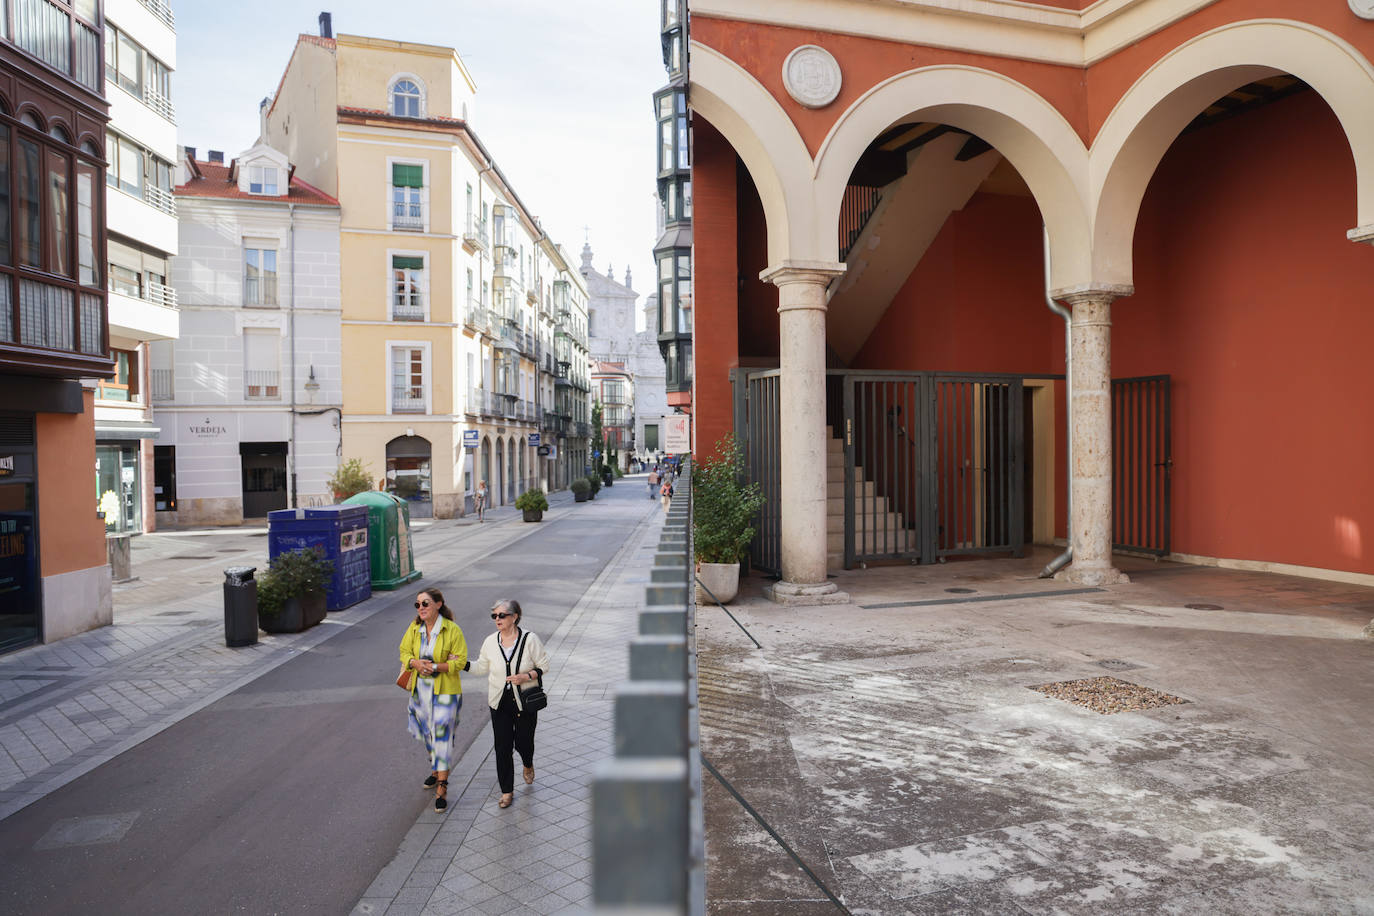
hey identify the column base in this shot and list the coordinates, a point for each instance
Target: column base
(1092, 575)
(801, 594)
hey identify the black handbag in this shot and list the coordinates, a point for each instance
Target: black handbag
(534, 698)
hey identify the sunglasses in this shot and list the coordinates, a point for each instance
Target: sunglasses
(420, 604)
(501, 616)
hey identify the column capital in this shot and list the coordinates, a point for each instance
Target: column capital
(816, 272)
(1104, 294)
(1362, 234)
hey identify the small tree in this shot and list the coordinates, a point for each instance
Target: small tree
(352, 477)
(598, 441)
(723, 506)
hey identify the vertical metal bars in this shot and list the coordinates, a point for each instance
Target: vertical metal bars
(1141, 463)
(762, 420)
(979, 450)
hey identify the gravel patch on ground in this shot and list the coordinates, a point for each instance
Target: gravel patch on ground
(1107, 695)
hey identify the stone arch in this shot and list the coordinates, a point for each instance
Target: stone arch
(1152, 113)
(766, 140)
(1023, 127)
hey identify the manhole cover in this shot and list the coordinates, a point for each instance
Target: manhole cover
(1116, 664)
(961, 591)
(1204, 607)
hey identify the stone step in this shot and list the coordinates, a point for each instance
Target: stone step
(871, 522)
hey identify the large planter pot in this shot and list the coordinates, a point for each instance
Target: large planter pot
(721, 578)
(296, 614)
(533, 515)
(580, 497)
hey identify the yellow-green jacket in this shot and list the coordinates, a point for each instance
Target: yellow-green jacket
(450, 648)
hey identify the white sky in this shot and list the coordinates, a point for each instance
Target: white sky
(563, 96)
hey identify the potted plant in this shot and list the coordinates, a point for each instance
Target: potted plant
(533, 503)
(723, 510)
(351, 478)
(594, 483)
(291, 595)
(581, 490)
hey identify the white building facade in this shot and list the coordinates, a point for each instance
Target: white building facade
(248, 399)
(615, 337)
(141, 148)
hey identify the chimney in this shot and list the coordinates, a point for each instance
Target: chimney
(263, 107)
(190, 152)
(326, 25)
(217, 155)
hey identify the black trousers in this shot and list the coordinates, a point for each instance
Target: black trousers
(512, 729)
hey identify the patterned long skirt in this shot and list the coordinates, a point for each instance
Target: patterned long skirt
(433, 720)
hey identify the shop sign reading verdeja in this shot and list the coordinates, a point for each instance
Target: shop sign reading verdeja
(211, 428)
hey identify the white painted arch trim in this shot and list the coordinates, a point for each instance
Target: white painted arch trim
(1019, 123)
(1149, 116)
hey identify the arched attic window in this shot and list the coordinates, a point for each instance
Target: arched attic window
(407, 101)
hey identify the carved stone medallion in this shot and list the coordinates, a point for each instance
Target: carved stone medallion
(1363, 8)
(811, 76)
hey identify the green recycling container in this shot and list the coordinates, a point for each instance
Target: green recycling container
(388, 538)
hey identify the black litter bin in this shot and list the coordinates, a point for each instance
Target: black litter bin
(240, 606)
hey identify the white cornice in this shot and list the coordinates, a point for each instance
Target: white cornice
(1004, 28)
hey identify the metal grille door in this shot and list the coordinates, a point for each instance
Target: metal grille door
(979, 445)
(761, 422)
(1141, 462)
(886, 451)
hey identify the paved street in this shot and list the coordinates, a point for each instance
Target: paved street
(150, 769)
(894, 745)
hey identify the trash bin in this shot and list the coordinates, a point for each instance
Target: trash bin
(340, 533)
(240, 606)
(607, 476)
(388, 536)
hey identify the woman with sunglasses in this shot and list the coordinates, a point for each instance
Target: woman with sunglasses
(434, 647)
(513, 660)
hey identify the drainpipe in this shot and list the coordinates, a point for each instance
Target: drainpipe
(1065, 558)
(295, 498)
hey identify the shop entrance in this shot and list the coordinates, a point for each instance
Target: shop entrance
(19, 583)
(264, 477)
(408, 473)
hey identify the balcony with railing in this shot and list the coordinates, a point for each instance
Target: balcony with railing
(161, 10)
(407, 399)
(481, 402)
(478, 317)
(262, 384)
(475, 236)
(161, 382)
(407, 216)
(162, 200)
(260, 292)
(407, 310)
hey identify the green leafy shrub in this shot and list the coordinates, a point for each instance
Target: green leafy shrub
(579, 486)
(292, 574)
(618, 472)
(351, 478)
(532, 500)
(594, 482)
(723, 506)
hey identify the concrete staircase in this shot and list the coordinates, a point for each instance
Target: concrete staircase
(834, 503)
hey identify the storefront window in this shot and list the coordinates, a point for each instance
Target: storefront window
(18, 565)
(117, 488)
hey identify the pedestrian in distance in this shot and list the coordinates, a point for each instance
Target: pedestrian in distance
(653, 482)
(514, 660)
(479, 499)
(434, 647)
(665, 491)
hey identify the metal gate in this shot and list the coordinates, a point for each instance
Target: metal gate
(758, 417)
(1142, 459)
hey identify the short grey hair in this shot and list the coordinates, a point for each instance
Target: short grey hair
(509, 606)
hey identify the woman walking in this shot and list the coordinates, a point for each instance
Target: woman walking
(513, 660)
(653, 482)
(479, 499)
(434, 647)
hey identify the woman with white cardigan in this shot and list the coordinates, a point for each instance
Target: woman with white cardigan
(513, 660)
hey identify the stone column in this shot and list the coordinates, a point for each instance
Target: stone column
(1091, 474)
(801, 330)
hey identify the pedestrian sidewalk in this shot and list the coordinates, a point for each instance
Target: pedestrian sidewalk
(534, 857)
(68, 707)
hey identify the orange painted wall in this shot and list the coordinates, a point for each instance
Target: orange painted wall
(70, 535)
(715, 300)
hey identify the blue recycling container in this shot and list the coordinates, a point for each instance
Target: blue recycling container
(340, 532)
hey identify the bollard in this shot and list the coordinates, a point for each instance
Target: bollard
(240, 606)
(651, 719)
(640, 834)
(658, 658)
(662, 621)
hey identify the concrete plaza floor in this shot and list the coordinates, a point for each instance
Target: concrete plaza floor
(895, 747)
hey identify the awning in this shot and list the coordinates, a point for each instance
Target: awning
(125, 429)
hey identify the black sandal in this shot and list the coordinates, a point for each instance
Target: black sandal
(431, 781)
(440, 801)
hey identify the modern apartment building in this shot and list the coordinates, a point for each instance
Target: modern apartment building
(255, 425)
(452, 292)
(54, 577)
(141, 147)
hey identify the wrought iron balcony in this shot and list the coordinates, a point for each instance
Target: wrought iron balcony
(407, 399)
(407, 217)
(407, 311)
(262, 384)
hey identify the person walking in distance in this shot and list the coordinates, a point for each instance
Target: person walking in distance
(479, 499)
(653, 482)
(665, 491)
(513, 660)
(433, 645)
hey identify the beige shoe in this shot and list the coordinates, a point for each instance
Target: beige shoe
(529, 776)
(506, 801)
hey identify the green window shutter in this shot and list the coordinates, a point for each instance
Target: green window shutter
(407, 176)
(403, 263)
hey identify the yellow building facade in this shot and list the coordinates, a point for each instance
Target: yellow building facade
(451, 291)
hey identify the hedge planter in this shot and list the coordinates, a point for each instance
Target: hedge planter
(580, 497)
(296, 614)
(721, 578)
(534, 515)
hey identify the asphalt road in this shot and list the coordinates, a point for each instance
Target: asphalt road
(290, 794)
